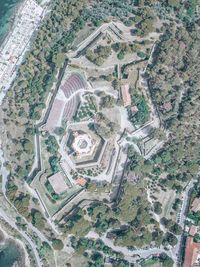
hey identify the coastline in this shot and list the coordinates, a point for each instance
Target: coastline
(9, 71)
(9, 240)
(11, 22)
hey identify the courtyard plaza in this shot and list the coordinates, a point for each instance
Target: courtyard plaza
(83, 144)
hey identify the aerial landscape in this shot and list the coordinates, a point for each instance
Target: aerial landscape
(99, 133)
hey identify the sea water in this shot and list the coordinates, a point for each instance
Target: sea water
(9, 254)
(8, 9)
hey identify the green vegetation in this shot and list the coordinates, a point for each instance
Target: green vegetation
(76, 224)
(37, 219)
(124, 48)
(103, 126)
(179, 159)
(86, 110)
(99, 55)
(54, 163)
(45, 252)
(57, 244)
(59, 131)
(138, 217)
(22, 204)
(51, 191)
(36, 76)
(197, 238)
(195, 216)
(99, 251)
(157, 207)
(144, 20)
(107, 101)
(138, 164)
(52, 145)
(132, 227)
(142, 115)
(173, 77)
(11, 190)
(170, 239)
(91, 172)
(163, 260)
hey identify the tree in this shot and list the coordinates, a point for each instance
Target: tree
(28, 146)
(176, 229)
(170, 239)
(165, 260)
(11, 190)
(157, 207)
(54, 161)
(107, 101)
(52, 145)
(37, 219)
(22, 204)
(120, 55)
(174, 3)
(197, 238)
(45, 248)
(59, 131)
(57, 244)
(90, 55)
(116, 84)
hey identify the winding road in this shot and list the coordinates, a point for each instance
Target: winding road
(11, 222)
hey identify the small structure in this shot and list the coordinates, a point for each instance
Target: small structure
(58, 183)
(134, 109)
(194, 230)
(167, 106)
(126, 95)
(81, 181)
(196, 205)
(192, 253)
(132, 177)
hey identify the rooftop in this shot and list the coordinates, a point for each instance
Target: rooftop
(196, 205)
(81, 181)
(167, 106)
(126, 95)
(192, 253)
(194, 230)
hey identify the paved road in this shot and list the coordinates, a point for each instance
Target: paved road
(182, 214)
(4, 172)
(181, 218)
(143, 253)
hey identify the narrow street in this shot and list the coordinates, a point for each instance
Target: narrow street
(11, 221)
(131, 254)
(182, 217)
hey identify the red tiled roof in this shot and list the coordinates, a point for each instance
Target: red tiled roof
(126, 95)
(192, 253)
(196, 205)
(81, 181)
